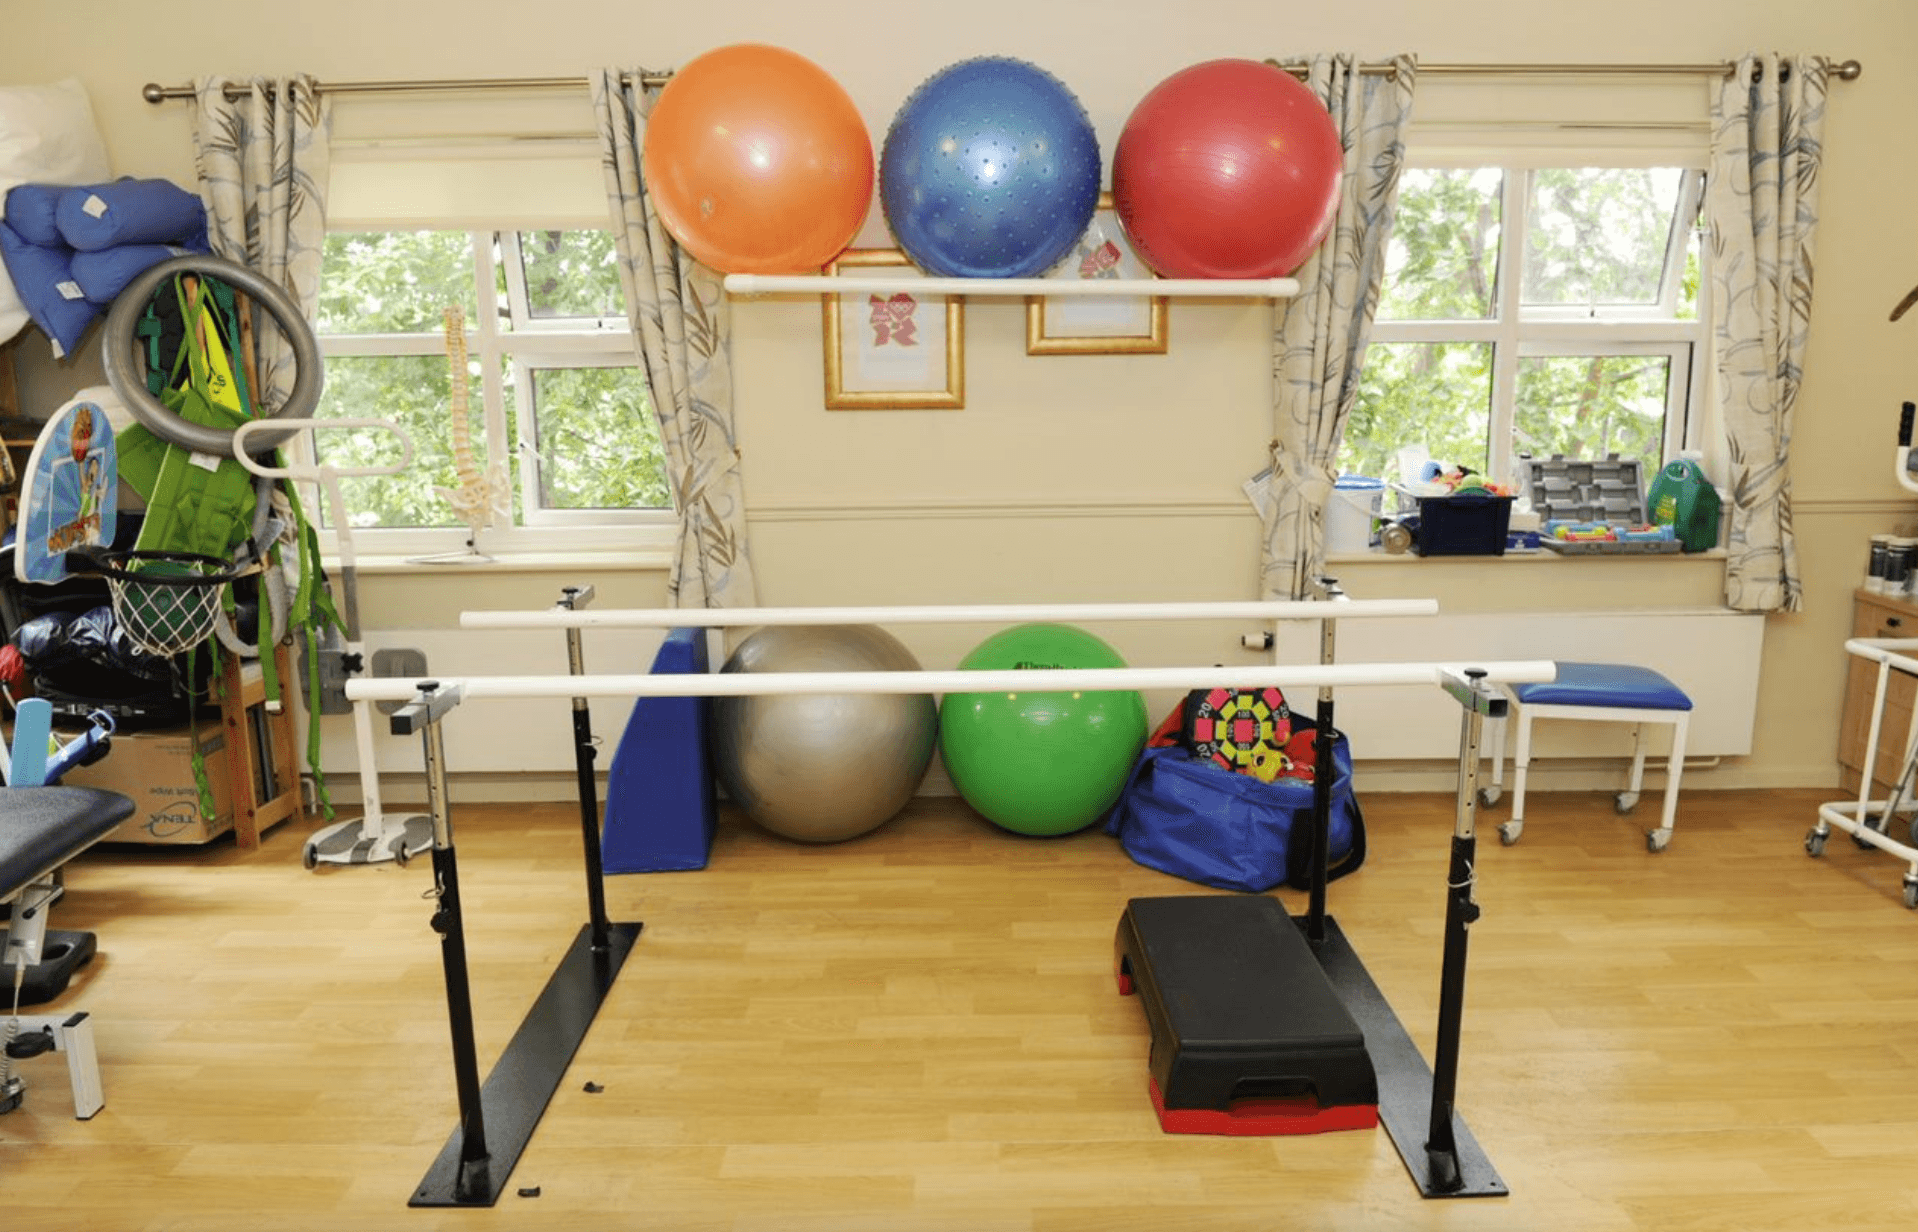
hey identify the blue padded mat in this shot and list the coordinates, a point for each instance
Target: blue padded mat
(660, 800)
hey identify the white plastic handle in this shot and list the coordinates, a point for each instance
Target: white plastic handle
(320, 472)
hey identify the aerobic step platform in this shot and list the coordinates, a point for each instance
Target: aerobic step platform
(1249, 1037)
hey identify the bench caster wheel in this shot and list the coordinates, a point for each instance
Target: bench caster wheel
(1657, 840)
(1815, 843)
(1509, 832)
(1488, 796)
(1625, 802)
(1911, 893)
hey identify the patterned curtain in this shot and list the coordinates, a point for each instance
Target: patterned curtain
(679, 314)
(1768, 122)
(263, 161)
(1320, 341)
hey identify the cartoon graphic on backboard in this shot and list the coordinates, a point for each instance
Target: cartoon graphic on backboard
(68, 493)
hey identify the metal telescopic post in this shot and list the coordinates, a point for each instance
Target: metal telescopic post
(1461, 910)
(448, 921)
(572, 599)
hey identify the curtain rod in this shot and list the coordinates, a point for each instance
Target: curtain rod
(1847, 70)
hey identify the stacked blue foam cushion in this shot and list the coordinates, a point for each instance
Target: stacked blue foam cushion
(71, 250)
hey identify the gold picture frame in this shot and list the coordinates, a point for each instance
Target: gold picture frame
(1098, 325)
(900, 352)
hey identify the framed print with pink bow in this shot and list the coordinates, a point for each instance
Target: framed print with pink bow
(1098, 325)
(901, 350)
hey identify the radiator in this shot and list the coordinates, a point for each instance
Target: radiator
(1712, 654)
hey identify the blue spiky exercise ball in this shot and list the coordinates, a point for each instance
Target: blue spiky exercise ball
(990, 169)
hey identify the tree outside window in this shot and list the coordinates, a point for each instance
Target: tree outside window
(558, 403)
(1533, 312)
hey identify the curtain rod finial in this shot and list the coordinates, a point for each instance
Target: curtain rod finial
(153, 92)
(1849, 70)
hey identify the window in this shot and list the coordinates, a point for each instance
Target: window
(558, 412)
(1533, 312)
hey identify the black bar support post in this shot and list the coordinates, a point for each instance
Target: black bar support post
(423, 714)
(1417, 1100)
(498, 1117)
(1461, 910)
(1323, 771)
(572, 599)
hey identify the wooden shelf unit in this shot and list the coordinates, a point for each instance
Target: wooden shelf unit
(1876, 615)
(261, 754)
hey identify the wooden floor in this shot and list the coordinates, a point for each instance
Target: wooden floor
(920, 1031)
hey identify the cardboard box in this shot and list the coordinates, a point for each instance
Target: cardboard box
(154, 769)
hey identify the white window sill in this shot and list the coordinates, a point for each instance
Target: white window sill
(1376, 556)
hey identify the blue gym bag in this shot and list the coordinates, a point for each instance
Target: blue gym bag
(1190, 817)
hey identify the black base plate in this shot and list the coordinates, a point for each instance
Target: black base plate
(527, 1074)
(62, 953)
(1405, 1080)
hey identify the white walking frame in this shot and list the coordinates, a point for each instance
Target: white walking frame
(1866, 819)
(1855, 817)
(373, 837)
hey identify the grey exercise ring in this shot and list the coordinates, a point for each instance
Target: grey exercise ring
(128, 379)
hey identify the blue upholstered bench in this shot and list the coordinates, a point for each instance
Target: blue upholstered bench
(1606, 693)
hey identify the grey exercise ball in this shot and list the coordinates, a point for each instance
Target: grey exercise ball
(822, 767)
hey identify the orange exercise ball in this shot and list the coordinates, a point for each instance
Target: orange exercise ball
(1227, 169)
(758, 162)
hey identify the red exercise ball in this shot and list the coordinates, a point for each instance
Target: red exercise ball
(758, 162)
(1227, 169)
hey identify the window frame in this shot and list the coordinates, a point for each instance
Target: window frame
(505, 333)
(1516, 332)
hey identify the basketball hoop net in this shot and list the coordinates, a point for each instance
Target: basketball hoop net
(167, 602)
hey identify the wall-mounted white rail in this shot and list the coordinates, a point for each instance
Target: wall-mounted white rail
(1178, 288)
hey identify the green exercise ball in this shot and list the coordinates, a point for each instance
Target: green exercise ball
(1037, 762)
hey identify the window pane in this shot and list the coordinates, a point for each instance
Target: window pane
(395, 282)
(412, 392)
(1436, 394)
(1588, 406)
(1597, 235)
(1688, 278)
(1443, 261)
(597, 440)
(571, 274)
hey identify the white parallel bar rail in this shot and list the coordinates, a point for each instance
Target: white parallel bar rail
(1046, 680)
(1854, 817)
(749, 617)
(1185, 288)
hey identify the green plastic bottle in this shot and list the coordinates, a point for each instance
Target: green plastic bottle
(1683, 499)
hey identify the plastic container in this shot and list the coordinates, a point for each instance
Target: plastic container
(1352, 513)
(1466, 524)
(1682, 498)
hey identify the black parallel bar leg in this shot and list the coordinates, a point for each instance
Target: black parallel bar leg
(1323, 773)
(1461, 910)
(1417, 1101)
(498, 1116)
(585, 753)
(449, 922)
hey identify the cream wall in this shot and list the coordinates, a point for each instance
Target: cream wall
(1095, 478)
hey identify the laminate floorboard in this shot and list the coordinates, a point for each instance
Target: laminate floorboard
(919, 1032)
